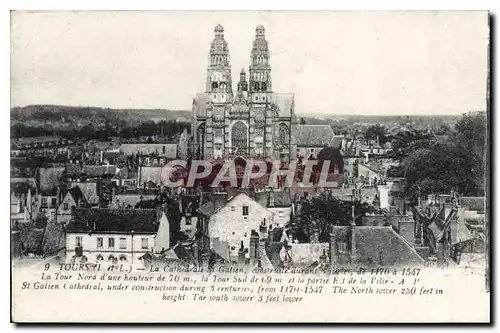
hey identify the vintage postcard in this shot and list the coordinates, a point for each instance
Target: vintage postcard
(244, 167)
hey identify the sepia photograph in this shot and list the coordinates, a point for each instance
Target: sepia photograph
(250, 166)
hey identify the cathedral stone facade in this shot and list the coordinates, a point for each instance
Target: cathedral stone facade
(252, 122)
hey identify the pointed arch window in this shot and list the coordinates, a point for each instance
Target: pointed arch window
(283, 134)
(263, 86)
(239, 136)
(256, 86)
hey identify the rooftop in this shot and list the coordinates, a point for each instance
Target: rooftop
(315, 136)
(97, 220)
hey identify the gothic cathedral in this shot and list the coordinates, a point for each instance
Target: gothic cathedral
(254, 122)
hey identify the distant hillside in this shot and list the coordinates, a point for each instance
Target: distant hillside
(65, 115)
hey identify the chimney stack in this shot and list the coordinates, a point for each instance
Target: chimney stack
(254, 245)
(270, 232)
(205, 258)
(353, 244)
(333, 247)
(271, 198)
(323, 258)
(241, 254)
(263, 231)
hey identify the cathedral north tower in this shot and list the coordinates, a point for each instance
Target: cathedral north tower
(219, 82)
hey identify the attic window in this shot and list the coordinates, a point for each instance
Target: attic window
(342, 247)
(233, 208)
(245, 210)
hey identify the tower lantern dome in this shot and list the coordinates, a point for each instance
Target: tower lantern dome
(260, 31)
(219, 30)
(219, 44)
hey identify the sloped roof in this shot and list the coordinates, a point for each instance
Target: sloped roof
(113, 221)
(101, 145)
(463, 232)
(273, 250)
(76, 193)
(281, 198)
(99, 170)
(473, 203)
(314, 136)
(90, 191)
(381, 245)
(54, 238)
(213, 206)
(73, 169)
(126, 200)
(49, 177)
(35, 139)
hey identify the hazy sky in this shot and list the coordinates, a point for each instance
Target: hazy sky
(334, 62)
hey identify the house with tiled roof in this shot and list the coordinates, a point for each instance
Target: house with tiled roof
(112, 236)
(371, 246)
(39, 145)
(311, 139)
(230, 221)
(168, 150)
(277, 201)
(73, 198)
(129, 200)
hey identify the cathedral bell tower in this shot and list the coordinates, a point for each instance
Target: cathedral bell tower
(218, 83)
(260, 71)
(242, 94)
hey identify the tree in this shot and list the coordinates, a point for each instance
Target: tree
(444, 129)
(457, 163)
(376, 132)
(406, 142)
(148, 129)
(318, 215)
(87, 132)
(470, 134)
